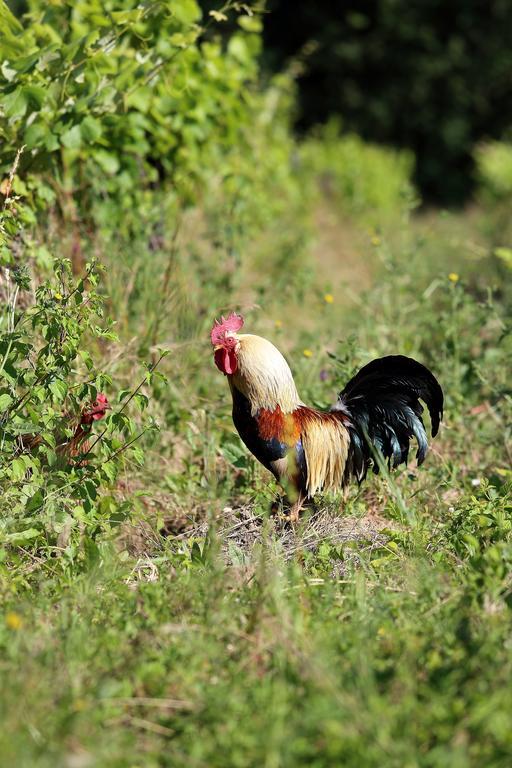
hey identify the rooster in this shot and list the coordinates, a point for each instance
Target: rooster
(307, 450)
(70, 447)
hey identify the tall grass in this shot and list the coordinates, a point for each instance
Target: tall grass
(181, 624)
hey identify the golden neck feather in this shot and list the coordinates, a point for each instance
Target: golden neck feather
(264, 376)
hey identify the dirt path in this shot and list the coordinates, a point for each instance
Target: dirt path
(341, 249)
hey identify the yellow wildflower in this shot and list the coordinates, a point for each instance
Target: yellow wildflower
(328, 298)
(453, 277)
(278, 323)
(375, 240)
(57, 296)
(381, 632)
(307, 353)
(13, 620)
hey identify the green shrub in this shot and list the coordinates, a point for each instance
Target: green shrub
(494, 170)
(56, 489)
(366, 180)
(111, 102)
(493, 162)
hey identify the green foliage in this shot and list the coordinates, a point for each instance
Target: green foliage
(480, 533)
(494, 170)
(153, 613)
(494, 175)
(366, 180)
(47, 380)
(111, 101)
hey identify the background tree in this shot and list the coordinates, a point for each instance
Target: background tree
(430, 76)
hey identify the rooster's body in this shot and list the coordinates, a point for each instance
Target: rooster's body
(309, 450)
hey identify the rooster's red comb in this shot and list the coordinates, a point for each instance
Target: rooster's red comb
(232, 324)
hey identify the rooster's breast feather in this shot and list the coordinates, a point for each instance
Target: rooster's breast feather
(264, 440)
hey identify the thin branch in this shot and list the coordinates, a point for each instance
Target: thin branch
(12, 174)
(126, 445)
(151, 369)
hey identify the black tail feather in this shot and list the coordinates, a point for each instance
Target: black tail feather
(382, 403)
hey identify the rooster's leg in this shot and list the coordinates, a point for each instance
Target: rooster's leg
(286, 510)
(293, 513)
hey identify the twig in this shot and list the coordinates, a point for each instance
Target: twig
(167, 276)
(151, 369)
(148, 725)
(148, 701)
(12, 174)
(126, 445)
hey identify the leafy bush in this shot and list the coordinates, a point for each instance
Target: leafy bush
(494, 176)
(365, 179)
(145, 110)
(54, 486)
(494, 170)
(110, 104)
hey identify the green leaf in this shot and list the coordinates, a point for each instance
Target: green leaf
(137, 454)
(186, 11)
(15, 103)
(109, 468)
(18, 469)
(505, 254)
(59, 389)
(35, 96)
(35, 135)
(126, 17)
(237, 47)
(140, 99)
(90, 489)
(35, 502)
(9, 21)
(7, 71)
(72, 138)
(87, 359)
(90, 129)
(22, 537)
(141, 401)
(107, 161)
(5, 401)
(250, 23)
(51, 142)
(178, 39)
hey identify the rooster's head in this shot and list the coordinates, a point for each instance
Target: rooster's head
(225, 341)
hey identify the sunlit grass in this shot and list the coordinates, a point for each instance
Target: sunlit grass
(206, 634)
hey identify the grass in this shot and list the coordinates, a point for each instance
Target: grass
(203, 633)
